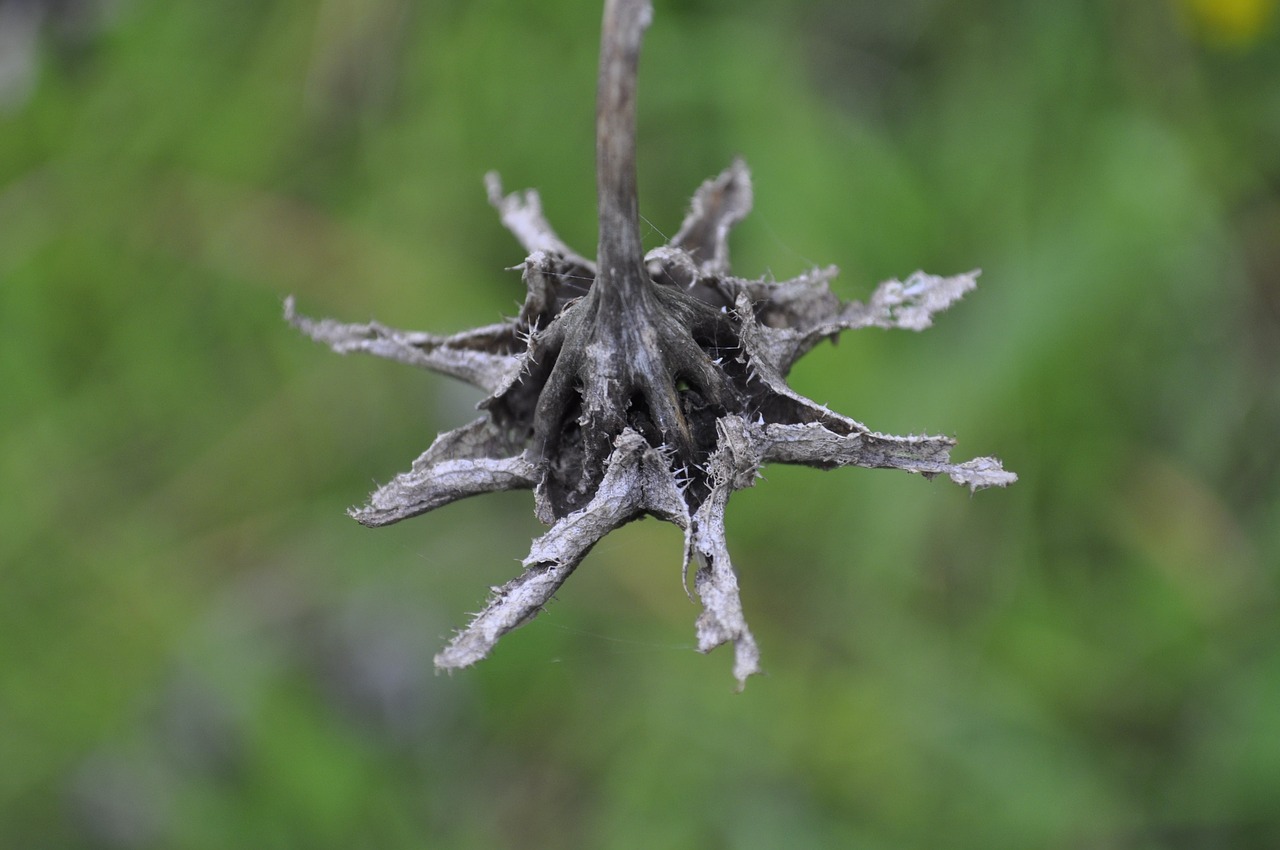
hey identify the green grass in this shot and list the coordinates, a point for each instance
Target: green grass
(197, 649)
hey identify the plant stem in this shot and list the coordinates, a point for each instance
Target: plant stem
(621, 280)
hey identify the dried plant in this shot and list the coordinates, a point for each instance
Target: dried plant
(641, 384)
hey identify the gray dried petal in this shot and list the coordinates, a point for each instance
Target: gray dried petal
(637, 481)
(733, 466)
(521, 213)
(482, 357)
(718, 204)
(467, 461)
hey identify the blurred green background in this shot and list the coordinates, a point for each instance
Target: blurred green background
(198, 650)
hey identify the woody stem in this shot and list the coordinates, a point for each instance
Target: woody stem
(622, 281)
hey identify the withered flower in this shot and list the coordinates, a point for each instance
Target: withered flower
(641, 384)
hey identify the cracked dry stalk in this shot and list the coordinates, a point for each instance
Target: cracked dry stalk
(641, 384)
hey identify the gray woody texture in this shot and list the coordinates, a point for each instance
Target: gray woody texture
(641, 384)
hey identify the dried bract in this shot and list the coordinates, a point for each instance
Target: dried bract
(642, 384)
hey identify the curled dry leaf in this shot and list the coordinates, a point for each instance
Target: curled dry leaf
(642, 385)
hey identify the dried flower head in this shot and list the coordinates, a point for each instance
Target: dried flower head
(641, 384)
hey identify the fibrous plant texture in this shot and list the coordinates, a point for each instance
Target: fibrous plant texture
(643, 383)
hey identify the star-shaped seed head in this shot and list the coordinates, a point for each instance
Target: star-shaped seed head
(642, 384)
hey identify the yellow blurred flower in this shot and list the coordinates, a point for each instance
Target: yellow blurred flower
(1229, 22)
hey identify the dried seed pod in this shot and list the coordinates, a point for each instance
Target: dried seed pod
(642, 384)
